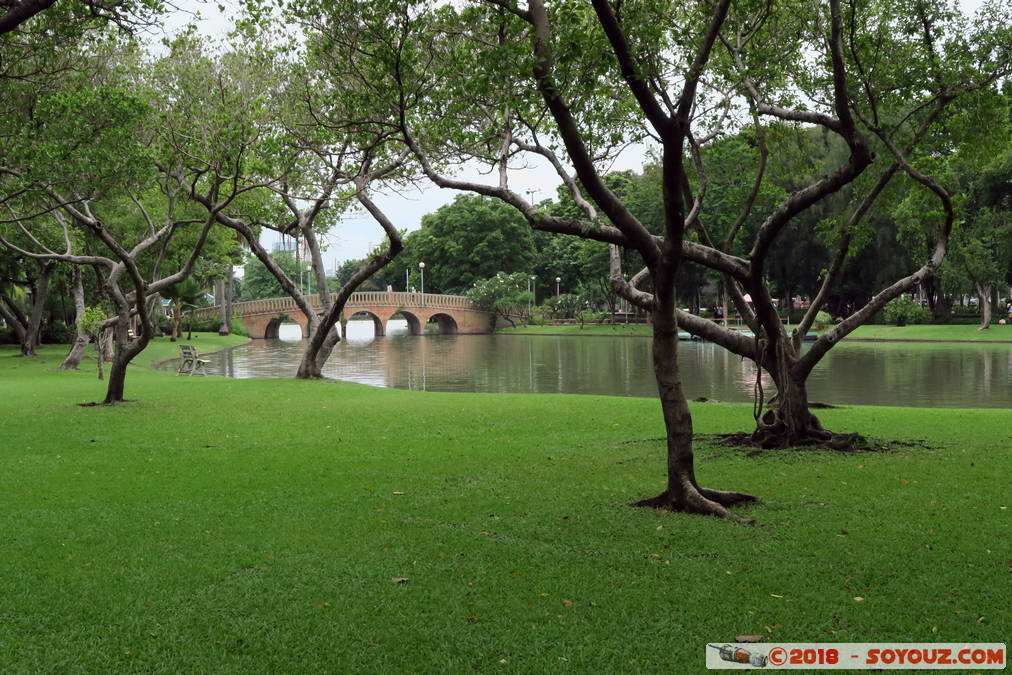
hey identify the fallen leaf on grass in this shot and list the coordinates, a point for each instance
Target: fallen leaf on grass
(858, 598)
(567, 603)
(400, 580)
(774, 595)
(398, 492)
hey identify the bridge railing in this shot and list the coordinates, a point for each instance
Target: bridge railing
(359, 299)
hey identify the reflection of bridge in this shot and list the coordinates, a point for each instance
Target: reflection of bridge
(452, 313)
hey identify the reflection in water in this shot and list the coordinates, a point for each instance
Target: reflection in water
(925, 375)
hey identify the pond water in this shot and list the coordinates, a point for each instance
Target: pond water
(902, 374)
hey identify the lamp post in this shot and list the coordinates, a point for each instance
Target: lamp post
(558, 280)
(534, 292)
(421, 268)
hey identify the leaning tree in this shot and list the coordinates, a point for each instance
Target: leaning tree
(496, 82)
(79, 184)
(289, 157)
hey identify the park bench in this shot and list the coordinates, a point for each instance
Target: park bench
(191, 363)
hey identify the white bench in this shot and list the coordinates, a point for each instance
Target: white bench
(191, 363)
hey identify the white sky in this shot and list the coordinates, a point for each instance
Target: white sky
(358, 234)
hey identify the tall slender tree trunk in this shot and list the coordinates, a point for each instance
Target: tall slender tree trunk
(219, 301)
(34, 326)
(177, 321)
(76, 353)
(682, 492)
(106, 338)
(317, 352)
(984, 296)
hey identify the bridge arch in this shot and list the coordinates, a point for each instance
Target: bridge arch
(273, 327)
(379, 327)
(415, 324)
(447, 324)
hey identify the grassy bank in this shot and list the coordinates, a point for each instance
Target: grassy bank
(623, 329)
(948, 333)
(220, 525)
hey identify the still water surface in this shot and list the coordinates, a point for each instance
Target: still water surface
(903, 374)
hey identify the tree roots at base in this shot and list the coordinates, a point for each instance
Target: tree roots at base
(774, 431)
(703, 502)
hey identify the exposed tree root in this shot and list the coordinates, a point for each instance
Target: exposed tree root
(726, 498)
(703, 502)
(774, 431)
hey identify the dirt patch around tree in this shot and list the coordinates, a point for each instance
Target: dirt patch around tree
(843, 443)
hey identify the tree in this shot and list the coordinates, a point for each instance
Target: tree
(488, 111)
(25, 317)
(289, 158)
(259, 282)
(895, 112)
(982, 254)
(593, 80)
(469, 239)
(81, 334)
(508, 295)
(129, 15)
(78, 180)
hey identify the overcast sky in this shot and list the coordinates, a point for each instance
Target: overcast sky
(358, 234)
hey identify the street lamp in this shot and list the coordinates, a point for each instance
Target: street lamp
(558, 280)
(421, 268)
(534, 291)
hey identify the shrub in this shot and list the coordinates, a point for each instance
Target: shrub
(539, 317)
(903, 311)
(822, 321)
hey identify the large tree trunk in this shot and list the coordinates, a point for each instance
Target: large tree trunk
(126, 350)
(682, 492)
(117, 380)
(34, 326)
(788, 420)
(76, 353)
(325, 349)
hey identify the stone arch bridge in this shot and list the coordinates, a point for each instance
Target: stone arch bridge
(452, 313)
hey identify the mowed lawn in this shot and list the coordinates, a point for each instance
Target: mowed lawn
(279, 526)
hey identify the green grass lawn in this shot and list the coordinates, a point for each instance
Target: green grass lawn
(218, 525)
(948, 333)
(952, 332)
